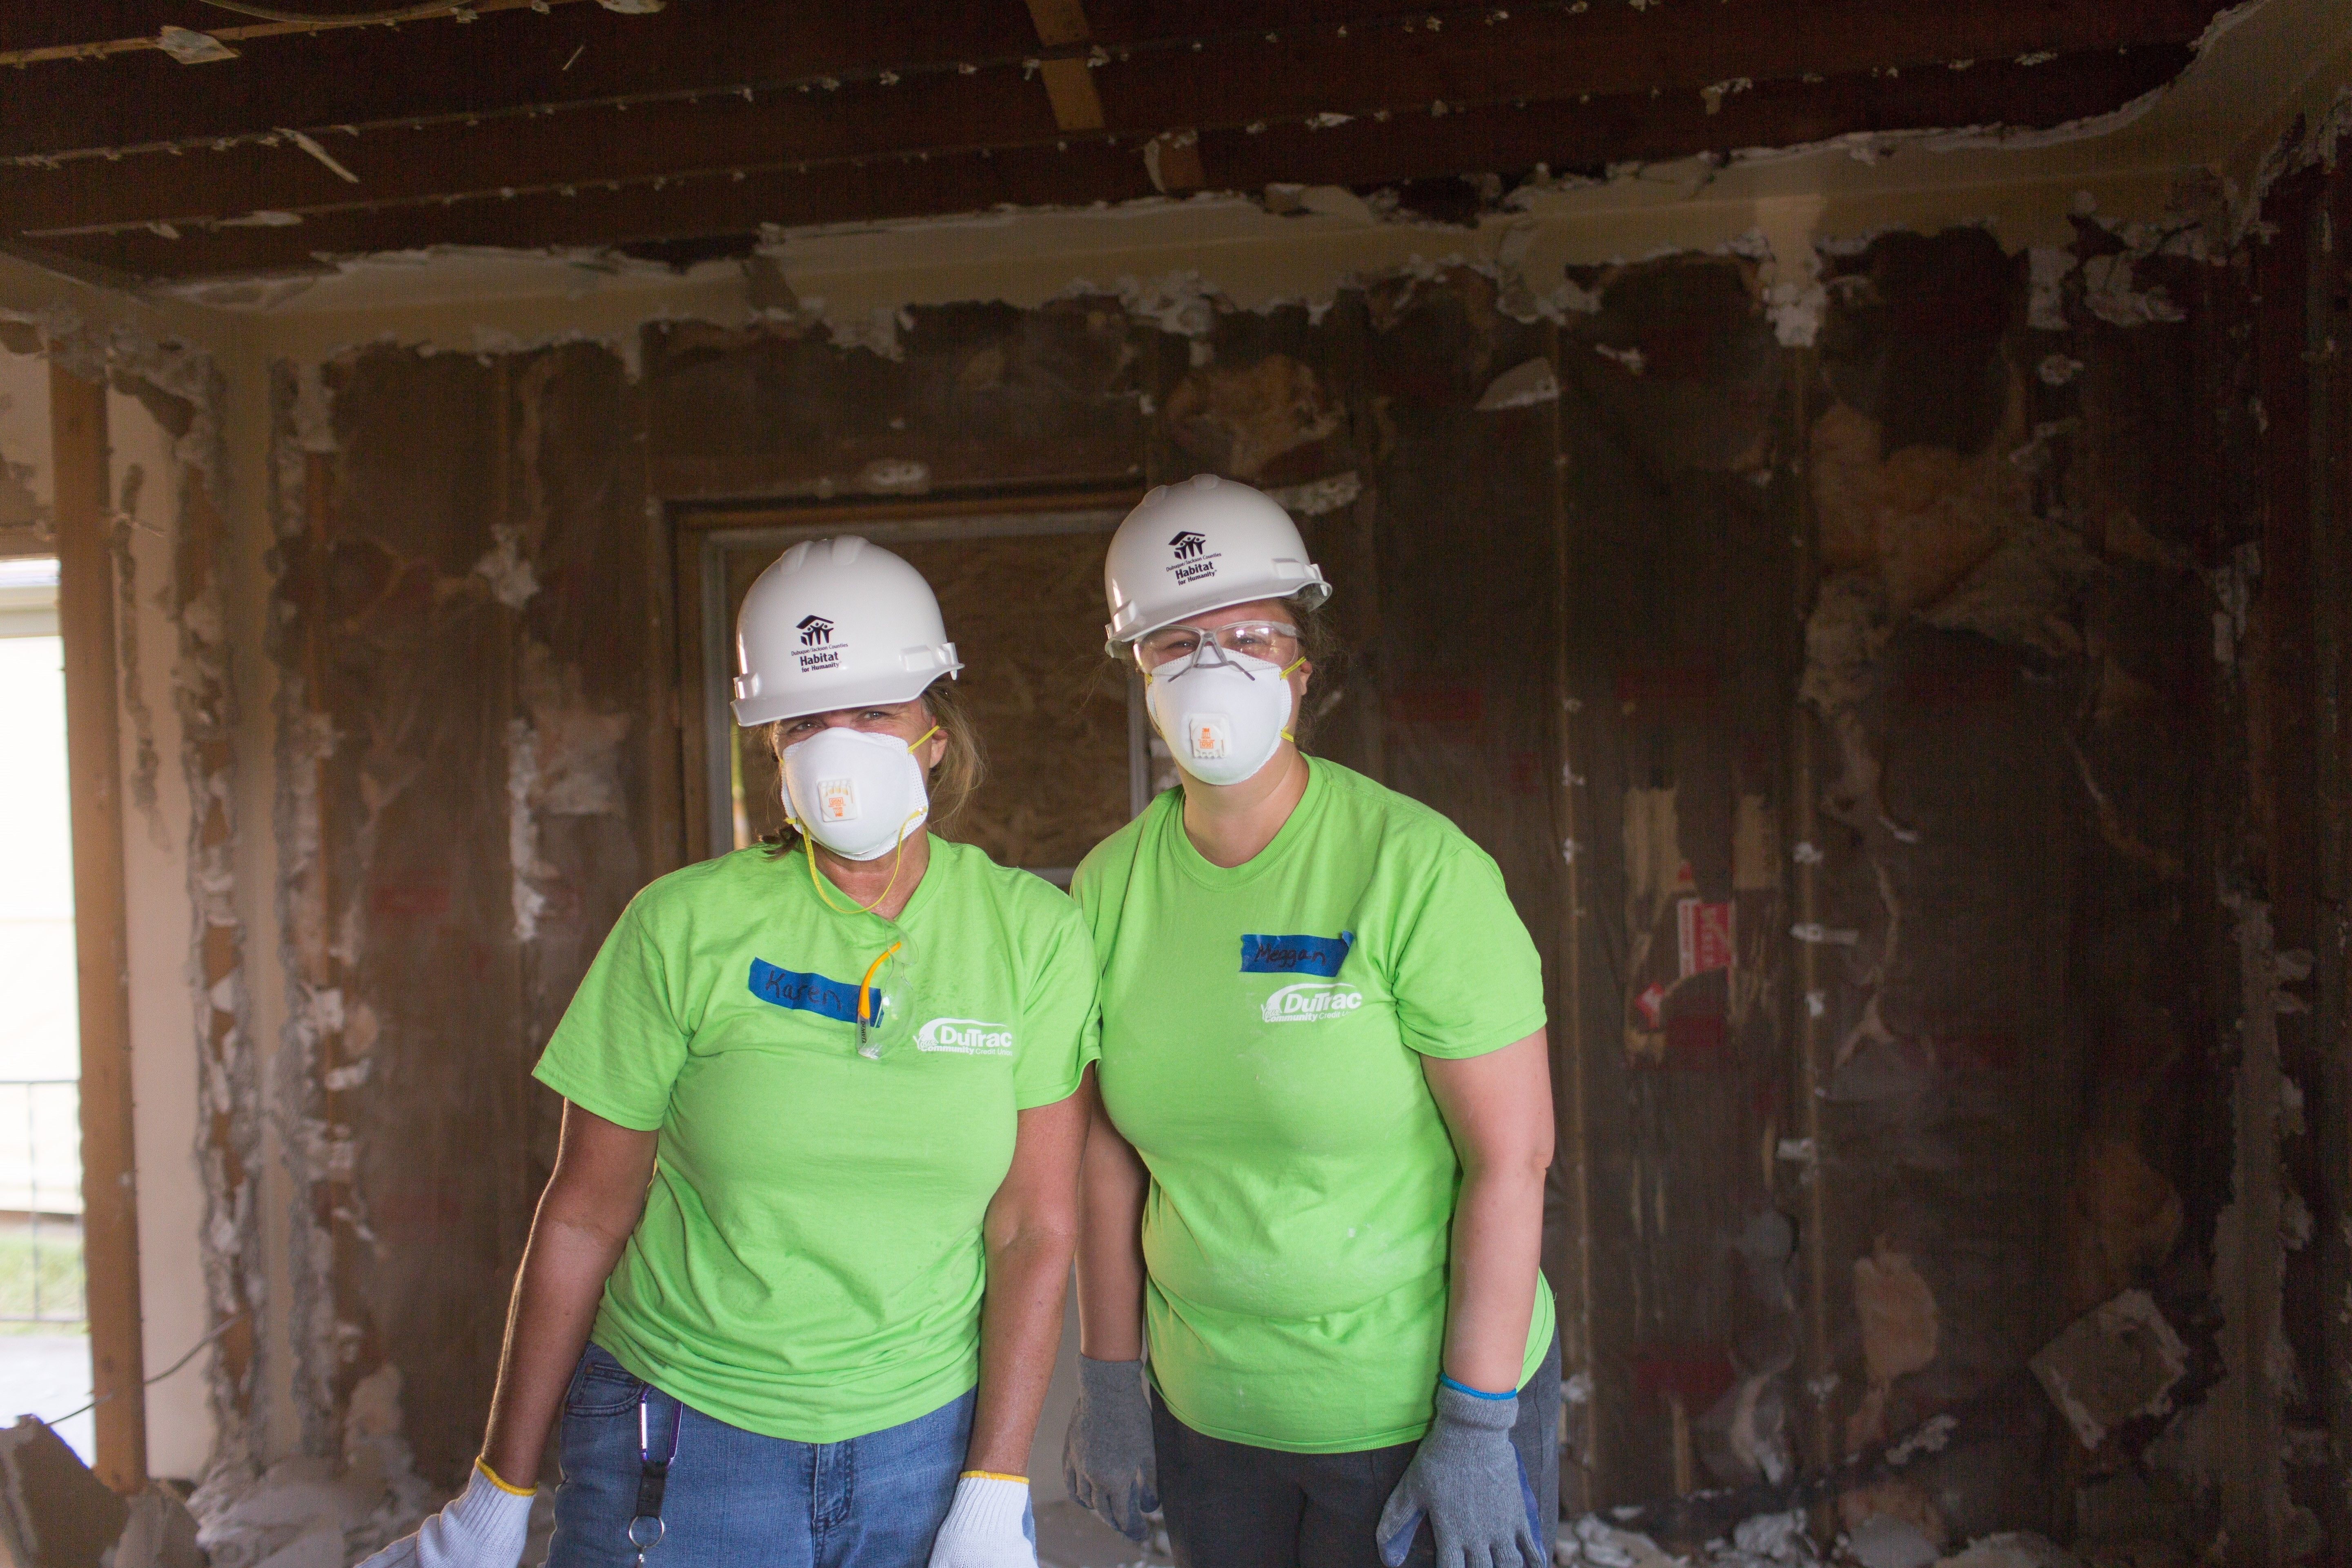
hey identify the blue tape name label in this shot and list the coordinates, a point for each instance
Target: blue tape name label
(1320, 955)
(809, 992)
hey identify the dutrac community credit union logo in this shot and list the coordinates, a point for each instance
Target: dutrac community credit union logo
(1311, 1002)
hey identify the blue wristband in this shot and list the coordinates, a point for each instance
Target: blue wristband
(1474, 1393)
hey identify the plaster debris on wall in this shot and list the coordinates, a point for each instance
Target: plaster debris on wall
(1239, 420)
(1522, 386)
(1316, 497)
(2115, 1363)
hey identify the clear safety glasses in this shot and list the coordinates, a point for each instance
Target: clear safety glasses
(1273, 641)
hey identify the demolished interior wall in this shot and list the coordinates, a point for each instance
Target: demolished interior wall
(193, 1137)
(1641, 564)
(1853, 710)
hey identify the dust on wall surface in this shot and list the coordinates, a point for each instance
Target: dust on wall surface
(463, 653)
(197, 1126)
(1849, 718)
(26, 493)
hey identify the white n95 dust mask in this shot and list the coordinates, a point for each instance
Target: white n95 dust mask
(857, 794)
(1223, 714)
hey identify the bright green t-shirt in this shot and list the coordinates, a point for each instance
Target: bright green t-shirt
(810, 1265)
(1262, 1031)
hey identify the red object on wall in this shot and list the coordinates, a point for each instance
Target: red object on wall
(1700, 1374)
(1703, 934)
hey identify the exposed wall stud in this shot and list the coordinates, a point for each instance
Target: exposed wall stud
(86, 597)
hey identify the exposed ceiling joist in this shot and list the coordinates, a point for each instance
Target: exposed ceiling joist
(1069, 79)
(1265, 61)
(1362, 153)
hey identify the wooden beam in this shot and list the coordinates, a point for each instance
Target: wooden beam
(1262, 60)
(587, 147)
(1362, 153)
(512, 62)
(101, 942)
(1606, 50)
(578, 147)
(1069, 80)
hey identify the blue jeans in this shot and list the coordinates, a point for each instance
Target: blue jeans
(736, 1500)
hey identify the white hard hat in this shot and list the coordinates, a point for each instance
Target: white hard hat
(1201, 546)
(836, 623)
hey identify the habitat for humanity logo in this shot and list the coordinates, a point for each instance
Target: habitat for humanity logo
(1311, 1001)
(1194, 559)
(817, 651)
(966, 1036)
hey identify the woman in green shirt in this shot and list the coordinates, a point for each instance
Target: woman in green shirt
(796, 1282)
(1314, 1178)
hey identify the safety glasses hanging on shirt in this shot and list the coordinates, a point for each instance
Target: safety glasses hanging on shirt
(859, 793)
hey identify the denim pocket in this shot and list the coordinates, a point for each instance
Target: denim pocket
(601, 1385)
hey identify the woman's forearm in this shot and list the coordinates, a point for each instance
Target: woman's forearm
(1111, 1186)
(1497, 1107)
(555, 1299)
(1029, 1232)
(1020, 1331)
(585, 1217)
(1498, 1253)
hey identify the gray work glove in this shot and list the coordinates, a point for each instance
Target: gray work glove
(1107, 1456)
(1466, 1478)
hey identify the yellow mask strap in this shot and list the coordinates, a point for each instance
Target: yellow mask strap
(897, 858)
(1286, 668)
(898, 855)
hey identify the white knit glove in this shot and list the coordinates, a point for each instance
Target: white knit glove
(988, 1526)
(484, 1526)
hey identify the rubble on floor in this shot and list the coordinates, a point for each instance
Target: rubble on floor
(1780, 1540)
(55, 1514)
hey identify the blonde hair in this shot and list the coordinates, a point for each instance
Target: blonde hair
(952, 779)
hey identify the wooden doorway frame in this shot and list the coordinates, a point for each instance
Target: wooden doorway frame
(110, 1187)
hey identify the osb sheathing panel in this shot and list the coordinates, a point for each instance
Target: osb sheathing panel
(2002, 655)
(1679, 667)
(479, 823)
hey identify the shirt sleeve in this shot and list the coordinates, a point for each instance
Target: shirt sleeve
(1061, 1028)
(1466, 978)
(620, 1044)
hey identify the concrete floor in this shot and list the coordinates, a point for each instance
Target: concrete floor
(46, 1375)
(1070, 1537)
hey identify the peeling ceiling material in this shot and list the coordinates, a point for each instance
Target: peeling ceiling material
(686, 133)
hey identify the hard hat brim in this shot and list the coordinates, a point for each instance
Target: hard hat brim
(872, 691)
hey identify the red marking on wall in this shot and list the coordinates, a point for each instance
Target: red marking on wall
(410, 900)
(1696, 1040)
(1527, 773)
(1700, 1374)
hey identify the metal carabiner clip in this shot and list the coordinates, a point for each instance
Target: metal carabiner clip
(645, 1527)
